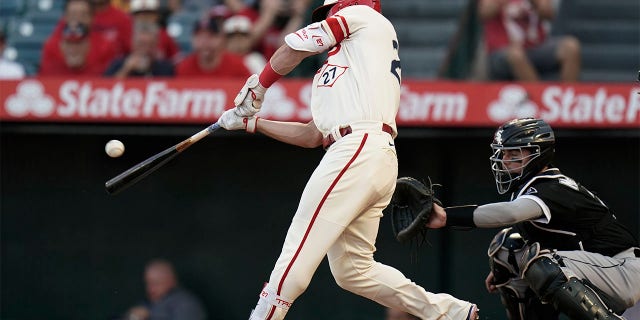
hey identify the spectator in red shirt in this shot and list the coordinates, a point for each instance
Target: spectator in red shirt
(75, 12)
(114, 24)
(238, 32)
(142, 61)
(515, 34)
(79, 53)
(210, 57)
(148, 11)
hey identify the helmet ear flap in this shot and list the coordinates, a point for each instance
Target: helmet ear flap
(346, 3)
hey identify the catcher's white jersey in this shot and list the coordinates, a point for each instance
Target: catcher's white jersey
(353, 84)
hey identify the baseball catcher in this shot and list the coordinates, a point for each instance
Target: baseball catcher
(563, 251)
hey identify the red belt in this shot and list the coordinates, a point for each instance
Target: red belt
(329, 139)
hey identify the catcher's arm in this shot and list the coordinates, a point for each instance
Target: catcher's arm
(490, 215)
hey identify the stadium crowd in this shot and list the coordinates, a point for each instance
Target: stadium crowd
(121, 39)
(234, 38)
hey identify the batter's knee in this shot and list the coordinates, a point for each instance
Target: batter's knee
(348, 275)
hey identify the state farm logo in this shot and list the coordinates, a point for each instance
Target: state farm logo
(596, 106)
(432, 105)
(513, 102)
(29, 98)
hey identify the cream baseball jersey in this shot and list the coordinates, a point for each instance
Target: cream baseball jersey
(356, 82)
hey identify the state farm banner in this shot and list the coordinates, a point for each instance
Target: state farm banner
(423, 103)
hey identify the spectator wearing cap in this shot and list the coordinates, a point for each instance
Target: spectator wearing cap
(210, 57)
(76, 12)
(148, 11)
(142, 61)
(113, 24)
(79, 53)
(9, 70)
(237, 30)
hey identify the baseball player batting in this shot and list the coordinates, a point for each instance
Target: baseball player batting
(566, 252)
(354, 102)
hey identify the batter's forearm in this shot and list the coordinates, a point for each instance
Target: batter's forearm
(304, 135)
(285, 59)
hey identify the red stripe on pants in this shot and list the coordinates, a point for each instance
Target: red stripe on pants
(315, 215)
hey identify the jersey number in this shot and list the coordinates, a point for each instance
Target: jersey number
(328, 75)
(395, 64)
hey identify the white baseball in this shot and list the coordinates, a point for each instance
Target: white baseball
(114, 148)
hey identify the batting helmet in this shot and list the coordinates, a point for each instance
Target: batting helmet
(531, 134)
(330, 7)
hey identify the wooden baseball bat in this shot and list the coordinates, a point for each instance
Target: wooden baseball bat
(146, 167)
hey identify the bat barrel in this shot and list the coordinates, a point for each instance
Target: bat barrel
(139, 171)
(146, 167)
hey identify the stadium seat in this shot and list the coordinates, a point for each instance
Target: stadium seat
(44, 18)
(28, 31)
(11, 8)
(423, 9)
(180, 27)
(44, 5)
(609, 34)
(27, 38)
(420, 62)
(424, 29)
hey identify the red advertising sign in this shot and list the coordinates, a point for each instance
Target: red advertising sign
(423, 103)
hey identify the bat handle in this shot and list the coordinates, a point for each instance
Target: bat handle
(212, 128)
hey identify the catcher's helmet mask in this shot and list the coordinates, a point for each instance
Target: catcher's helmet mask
(534, 135)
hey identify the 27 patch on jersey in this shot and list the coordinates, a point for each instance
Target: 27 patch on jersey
(330, 74)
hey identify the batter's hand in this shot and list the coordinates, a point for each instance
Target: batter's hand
(438, 218)
(249, 100)
(488, 283)
(230, 120)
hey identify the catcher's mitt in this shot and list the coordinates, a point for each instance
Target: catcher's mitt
(410, 208)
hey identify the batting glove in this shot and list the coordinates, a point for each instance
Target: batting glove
(231, 121)
(249, 99)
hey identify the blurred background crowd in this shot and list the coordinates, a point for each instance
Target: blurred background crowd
(142, 38)
(459, 39)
